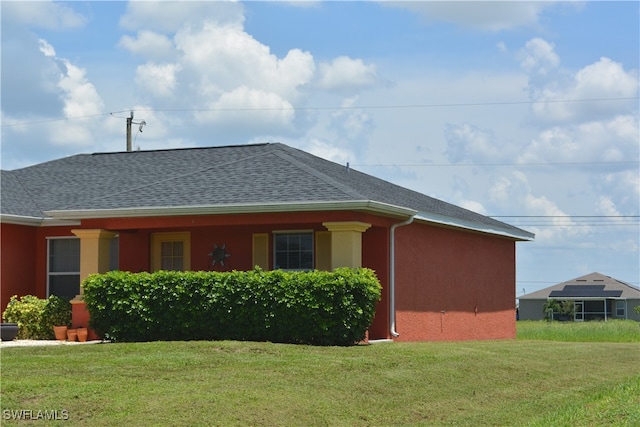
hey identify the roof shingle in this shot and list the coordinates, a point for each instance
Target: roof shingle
(214, 176)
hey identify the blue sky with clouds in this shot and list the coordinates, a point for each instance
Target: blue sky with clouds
(527, 111)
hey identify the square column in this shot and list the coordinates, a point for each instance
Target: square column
(346, 243)
(94, 251)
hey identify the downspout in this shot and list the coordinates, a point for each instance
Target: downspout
(392, 276)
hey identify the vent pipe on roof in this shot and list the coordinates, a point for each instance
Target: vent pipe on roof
(392, 276)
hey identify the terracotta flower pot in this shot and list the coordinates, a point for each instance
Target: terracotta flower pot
(61, 332)
(72, 334)
(82, 334)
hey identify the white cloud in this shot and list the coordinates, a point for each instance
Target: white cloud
(227, 57)
(43, 14)
(170, 16)
(46, 48)
(80, 96)
(263, 110)
(538, 57)
(353, 121)
(473, 205)
(344, 73)
(611, 140)
(157, 79)
(149, 45)
(557, 97)
(328, 151)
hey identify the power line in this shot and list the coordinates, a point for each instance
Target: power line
(333, 108)
(425, 165)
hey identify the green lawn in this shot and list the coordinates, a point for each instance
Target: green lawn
(610, 331)
(513, 382)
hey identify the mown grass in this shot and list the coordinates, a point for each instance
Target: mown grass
(609, 331)
(227, 383)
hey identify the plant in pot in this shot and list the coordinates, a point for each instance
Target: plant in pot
(57, 316)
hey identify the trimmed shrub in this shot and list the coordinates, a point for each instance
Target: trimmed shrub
(27, 313)
(36, 317)
(322, 308)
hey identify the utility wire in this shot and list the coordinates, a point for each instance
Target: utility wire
(362, 107)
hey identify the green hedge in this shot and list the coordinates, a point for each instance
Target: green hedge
(323, 308)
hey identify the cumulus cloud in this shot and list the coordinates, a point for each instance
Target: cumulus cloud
(538, 57)
(263, 110)
(344, 73)
(79, 95)
(227, 57)
(610, 140)
(596, 82)
(149, 45)
(157, 79)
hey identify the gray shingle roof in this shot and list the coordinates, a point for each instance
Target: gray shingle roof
(214, 176)
(592, 280)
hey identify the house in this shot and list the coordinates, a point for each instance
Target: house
(447, 273)
(594, 296)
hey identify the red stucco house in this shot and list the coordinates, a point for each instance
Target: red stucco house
(447, 273)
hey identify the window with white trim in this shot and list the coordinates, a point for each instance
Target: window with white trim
(293, 250)
(620, 308)
(63, 267)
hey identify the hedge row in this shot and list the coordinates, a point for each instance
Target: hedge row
(322, 308)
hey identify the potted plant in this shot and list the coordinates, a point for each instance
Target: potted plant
(57, 314)
(82, 333)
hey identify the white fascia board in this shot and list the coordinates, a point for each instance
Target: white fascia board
(21, 220)
(473, 226)
(359, 205)
(35, 221)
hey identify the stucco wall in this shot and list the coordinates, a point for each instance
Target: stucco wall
(17, 268)
(453, 285)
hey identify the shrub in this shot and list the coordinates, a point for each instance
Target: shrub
(27, 313)
(57, 312)
(325, 308)
(36, 317)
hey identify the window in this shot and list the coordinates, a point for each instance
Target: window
(114, 254)
(293, 251)
(620, 308)
(171, 251)
(63, 267)
(172, 255)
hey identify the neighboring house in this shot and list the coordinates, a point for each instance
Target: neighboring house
(268, 205)
(595, 297)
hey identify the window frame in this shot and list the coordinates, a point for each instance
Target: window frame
(50, 273)
(174, 236)
(279, 233)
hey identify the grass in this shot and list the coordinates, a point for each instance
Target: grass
(609, 331)
(514, 382)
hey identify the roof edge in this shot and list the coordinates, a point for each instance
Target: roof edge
(35, 221)
(518, 234)
(154, 211)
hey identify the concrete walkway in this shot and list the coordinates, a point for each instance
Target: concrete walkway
(40, 343)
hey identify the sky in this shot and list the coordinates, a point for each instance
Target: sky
(524, 111)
